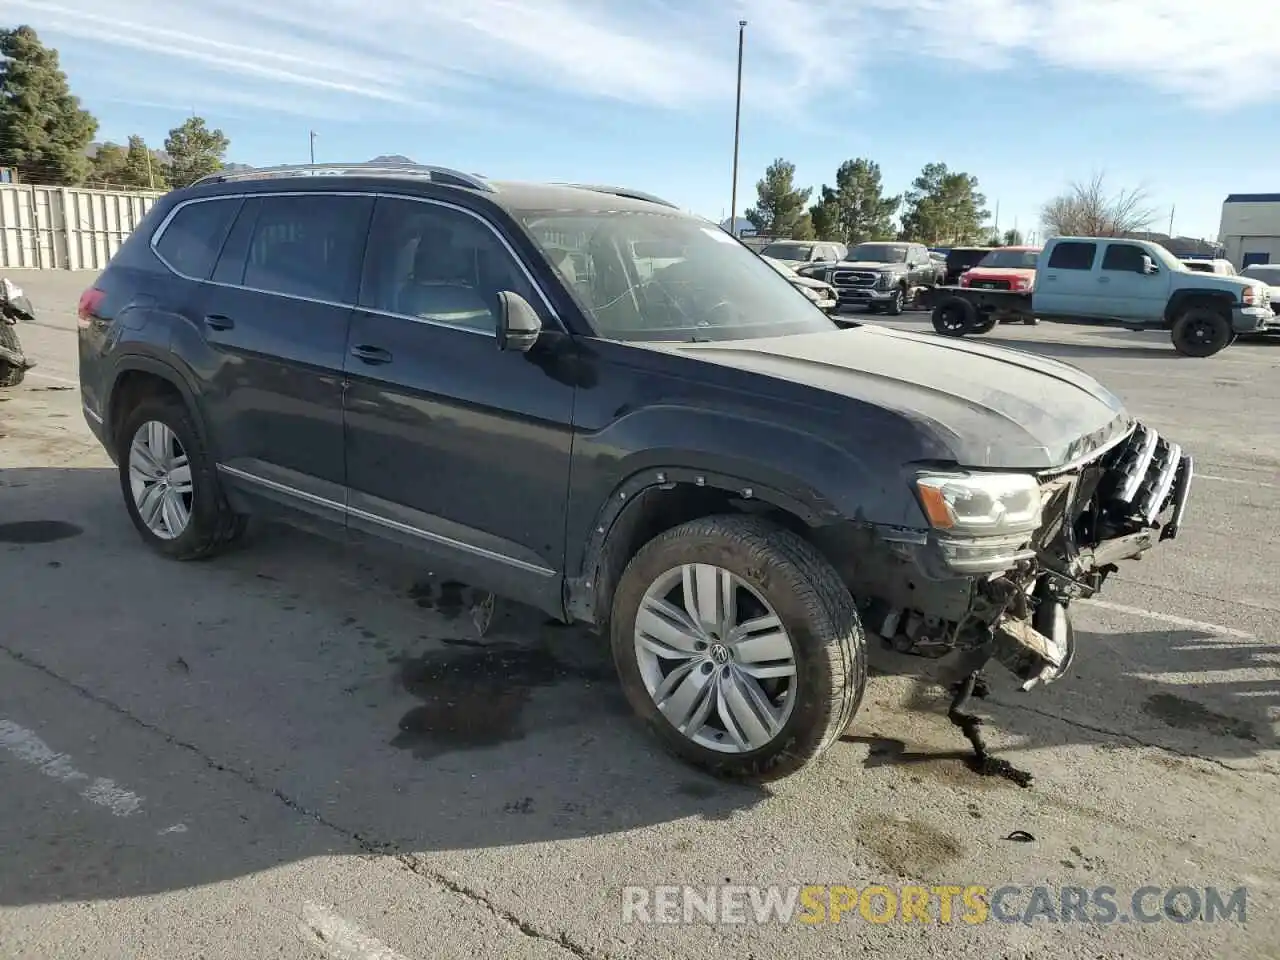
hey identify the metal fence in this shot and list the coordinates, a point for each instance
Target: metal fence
(66, 228)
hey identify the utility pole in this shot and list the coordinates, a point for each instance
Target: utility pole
(1172, 209)
(737, 130)
(313, 148)
(151, 177)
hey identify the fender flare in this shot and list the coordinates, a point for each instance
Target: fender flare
(141, 363)
(583, 592)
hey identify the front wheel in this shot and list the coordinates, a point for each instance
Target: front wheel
(739, 646)
(170, 486)
(897, 304)
(13, 363)
(1202, 332)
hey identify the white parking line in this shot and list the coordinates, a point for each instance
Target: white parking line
(1243, 483)
(28, 747)
(339, 938)
(1212, 628)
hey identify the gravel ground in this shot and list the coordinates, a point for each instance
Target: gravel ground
(300, 751)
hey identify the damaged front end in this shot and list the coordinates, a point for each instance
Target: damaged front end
(1008, 552)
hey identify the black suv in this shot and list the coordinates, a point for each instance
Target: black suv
(583, 399)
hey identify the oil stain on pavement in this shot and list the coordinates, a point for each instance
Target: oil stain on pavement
(38, 531)
(479, 696)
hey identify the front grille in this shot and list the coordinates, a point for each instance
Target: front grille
(1139, 482)
(992, 284)
(854, 278)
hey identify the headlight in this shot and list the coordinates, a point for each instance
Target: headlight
(885, 281)
(981, 504)
(809, 292)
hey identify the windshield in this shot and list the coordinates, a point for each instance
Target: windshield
(787, 251)
(878, 253)
(1198, 266)
(1020, 259)
(965, 257)
(704, 286)
(1167, 259)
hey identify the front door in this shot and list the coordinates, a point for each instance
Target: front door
(275, 314)
(1130, 292)
(453, 446)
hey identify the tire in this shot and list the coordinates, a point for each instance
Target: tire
(11, 374)
(983, 324)
(1201, 332)
(895, 306)
(819, 621)
(954, 317)
(211, 526)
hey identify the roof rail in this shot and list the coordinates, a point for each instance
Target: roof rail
(436, 174)
(623, 192)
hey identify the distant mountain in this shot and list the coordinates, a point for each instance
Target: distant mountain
(391, 159)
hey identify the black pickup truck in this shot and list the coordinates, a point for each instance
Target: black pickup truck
(680, 452)
(880, 276)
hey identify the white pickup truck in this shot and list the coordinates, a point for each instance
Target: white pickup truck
(1136, 284)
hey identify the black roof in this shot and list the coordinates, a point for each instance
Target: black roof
(375, 174)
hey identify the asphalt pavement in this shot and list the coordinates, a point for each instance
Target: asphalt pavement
(302, 751)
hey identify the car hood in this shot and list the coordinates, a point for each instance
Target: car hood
(868, 265)
(1001, 271)
(991, 406)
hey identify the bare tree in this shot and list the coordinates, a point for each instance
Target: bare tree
(1088, 210)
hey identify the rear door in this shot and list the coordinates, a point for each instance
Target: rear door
(1067, 285)
(275, 313)
(1127, 292)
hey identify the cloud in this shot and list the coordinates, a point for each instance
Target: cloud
(335, 55)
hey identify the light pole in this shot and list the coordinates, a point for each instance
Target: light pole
(737, 128)
(313, 148)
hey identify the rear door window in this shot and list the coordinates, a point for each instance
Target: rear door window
(1073, 255)
(308, 246)
(190, 242)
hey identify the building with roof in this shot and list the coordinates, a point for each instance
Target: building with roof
(1250, 231)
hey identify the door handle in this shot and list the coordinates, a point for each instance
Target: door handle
(368, 354)
(216, 321)
(1104, 279)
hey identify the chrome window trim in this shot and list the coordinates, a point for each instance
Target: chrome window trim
(387, 522)
(158, 233)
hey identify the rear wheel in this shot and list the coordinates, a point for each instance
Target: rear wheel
(739, 646)
(954, 317)
(170, 486)
(1202, 332)
(985, 323)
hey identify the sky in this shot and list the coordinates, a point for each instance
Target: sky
(1180, 98)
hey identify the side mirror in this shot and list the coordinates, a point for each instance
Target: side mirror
(518, 323)
(1149, 266)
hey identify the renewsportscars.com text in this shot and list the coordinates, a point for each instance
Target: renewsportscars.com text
(942, 904)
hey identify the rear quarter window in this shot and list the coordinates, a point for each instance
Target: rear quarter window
(190, 242)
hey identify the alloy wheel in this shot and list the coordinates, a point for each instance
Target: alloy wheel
(715, 658)
(160, 480)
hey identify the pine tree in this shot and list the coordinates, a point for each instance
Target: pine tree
(43, 130)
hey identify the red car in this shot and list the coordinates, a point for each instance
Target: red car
(1005, 268)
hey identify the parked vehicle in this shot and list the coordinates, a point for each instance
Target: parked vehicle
(1221, 267)
(820, 292)
(1004, 268)
(1268, 273)
(1135, 283)
(960, 259)
(883, 277)
(14, 306)
(700, 465)
(804, 252)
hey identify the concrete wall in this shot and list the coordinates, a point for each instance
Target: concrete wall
(66, 228)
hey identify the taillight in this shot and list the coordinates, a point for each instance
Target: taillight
(87, 311)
